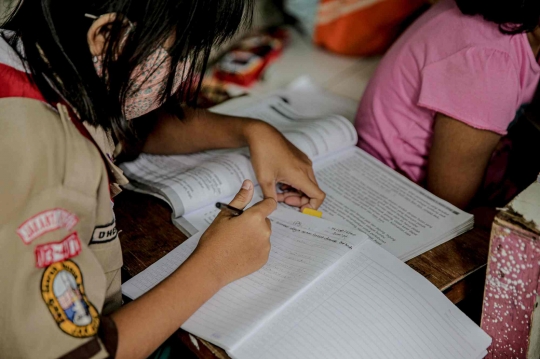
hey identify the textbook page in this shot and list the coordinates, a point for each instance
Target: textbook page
(189, 182)
(394, 212)
(316, 136)
(370, 305)
(361, 192)
(303, 247)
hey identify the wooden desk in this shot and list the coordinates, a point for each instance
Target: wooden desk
(147, 234)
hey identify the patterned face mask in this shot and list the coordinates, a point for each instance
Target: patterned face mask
(148, 83)
(148, 80)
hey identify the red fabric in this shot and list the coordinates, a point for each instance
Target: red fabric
(15, 83)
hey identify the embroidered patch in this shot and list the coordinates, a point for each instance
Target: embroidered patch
(62, 290)
(45, 222)
(49, 253)
(104, 234)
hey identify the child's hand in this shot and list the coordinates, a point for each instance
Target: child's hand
(235, 246)
(276, 160)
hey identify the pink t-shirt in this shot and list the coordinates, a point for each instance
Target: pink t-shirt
(446, 62)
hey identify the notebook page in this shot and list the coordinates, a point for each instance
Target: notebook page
(302, 248)
(370, 306)
(394, 212)
(164, 267)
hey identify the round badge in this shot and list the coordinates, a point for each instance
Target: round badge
(62, 290)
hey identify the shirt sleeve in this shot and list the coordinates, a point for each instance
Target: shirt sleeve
(477, 86)
(53, 286)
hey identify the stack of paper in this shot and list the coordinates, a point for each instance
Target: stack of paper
(399, 215)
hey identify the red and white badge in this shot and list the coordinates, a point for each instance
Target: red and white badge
(45, 222)
(49, 253)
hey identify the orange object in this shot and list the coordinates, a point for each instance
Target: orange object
(245, 63)
(361, 27)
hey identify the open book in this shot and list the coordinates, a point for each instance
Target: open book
(325, 292)
(402, 217)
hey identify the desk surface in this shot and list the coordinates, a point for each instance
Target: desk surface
(147, 234)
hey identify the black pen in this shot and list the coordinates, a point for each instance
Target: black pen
(233, 210)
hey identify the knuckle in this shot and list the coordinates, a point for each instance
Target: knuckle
(256, 214)
(252, 220)
(271, 202)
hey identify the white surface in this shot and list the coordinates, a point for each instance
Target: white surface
(304, 95)
(353, 82)
(347, 76)
(326, 292)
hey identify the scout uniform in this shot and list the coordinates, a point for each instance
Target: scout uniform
(59, 247)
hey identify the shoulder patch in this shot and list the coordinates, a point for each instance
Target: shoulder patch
(44, 222)
(49, 253)
(62, 290)
(105, 233)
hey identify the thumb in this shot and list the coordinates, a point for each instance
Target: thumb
(244, 196)
(265, 207)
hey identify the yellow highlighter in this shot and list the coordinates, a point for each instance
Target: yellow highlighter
(312, 212)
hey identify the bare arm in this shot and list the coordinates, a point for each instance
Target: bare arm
(274, 158)
(231, 248)
(148, 321)
(458, 159)
(198, 130)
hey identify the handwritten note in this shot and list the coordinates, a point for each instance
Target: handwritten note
(302, 249)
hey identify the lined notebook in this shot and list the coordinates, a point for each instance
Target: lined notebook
(327, 291)
(397, 214)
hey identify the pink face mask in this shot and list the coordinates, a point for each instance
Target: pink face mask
(149, 81)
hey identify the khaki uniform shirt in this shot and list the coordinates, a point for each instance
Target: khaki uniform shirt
(59, 247)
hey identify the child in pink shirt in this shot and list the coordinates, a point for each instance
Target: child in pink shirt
(445, 93)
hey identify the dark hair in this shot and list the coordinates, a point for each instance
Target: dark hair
(53, 34)
(513, 16)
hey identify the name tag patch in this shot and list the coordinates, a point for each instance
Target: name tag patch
(49, 253)
(104, 234)
(44, 222)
